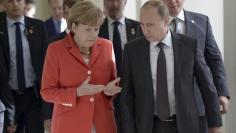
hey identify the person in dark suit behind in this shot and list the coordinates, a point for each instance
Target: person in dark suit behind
(48, 107)
(56, 23)
(198, 26)
(158, 79)
(120, 30)
(23, 43)
(6, 100)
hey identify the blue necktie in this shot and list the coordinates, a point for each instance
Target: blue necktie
(162, 101)
(19, 58)
(117, 47)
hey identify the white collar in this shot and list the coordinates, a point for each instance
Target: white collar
(181, 15)
(121, 20)
(10, 22)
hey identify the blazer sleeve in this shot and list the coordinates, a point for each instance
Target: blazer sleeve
(6, 97)
(127, 97)
(209, 93)
(214, 61)
(51, 90)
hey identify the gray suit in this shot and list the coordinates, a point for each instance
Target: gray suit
(137, 101)
(199, 27)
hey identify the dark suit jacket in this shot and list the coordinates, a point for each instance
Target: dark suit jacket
(137, 101)
(36, 35)
(6, 99)
(131, 29)
(131, 32)
(50, 26)
(48, 107)
(199, 27)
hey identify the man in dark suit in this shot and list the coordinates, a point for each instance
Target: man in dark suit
(23, 46)
(198, 26)
(6, 99)
(119, 30)
(158, 80)
(56, 23)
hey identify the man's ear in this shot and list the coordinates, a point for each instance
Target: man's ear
(166, 20)
(73, 27)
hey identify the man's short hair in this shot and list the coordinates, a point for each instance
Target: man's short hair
(161, 7)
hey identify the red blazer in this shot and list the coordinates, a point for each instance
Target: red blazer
(64, 70)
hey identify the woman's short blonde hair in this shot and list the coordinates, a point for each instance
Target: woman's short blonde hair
(85, 12)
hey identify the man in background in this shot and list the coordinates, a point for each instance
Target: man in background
(198, 26)
(30, 8)
(23, 43)
(56, 23)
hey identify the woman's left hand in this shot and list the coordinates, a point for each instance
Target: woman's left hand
(111, 88)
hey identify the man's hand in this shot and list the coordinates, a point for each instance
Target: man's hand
(11, 128)
(224, 104)
(215, 130)
(111, 88)
(47, 125)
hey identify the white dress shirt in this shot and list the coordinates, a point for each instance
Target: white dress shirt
(169, 54)
(180, 23)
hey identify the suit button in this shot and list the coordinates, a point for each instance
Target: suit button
(89, 72)
(91, 99)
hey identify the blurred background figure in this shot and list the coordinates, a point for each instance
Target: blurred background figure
(1, 6)
(22, 40)
(56, 23)
(30, 8)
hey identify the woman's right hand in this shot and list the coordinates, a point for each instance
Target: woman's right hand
(88, 89)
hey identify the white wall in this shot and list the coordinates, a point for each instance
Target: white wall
(230, 60)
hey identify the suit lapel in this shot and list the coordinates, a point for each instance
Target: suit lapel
(31, 35)
(104, 29)
(191, 25)
(146, 66)
(130, 30)
(95, 53)
(178, 52)
(74, 51)
(4, 38)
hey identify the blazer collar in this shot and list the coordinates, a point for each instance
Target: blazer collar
(74, 50)
(177, 41)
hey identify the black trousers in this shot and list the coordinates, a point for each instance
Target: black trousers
(160, 126)
(28, 112)
(203, 124)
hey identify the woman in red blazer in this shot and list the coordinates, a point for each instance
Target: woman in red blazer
(79, 76)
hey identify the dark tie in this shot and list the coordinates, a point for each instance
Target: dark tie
(162, 101)
(117, 47)
(175, 25)
(19, 59)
